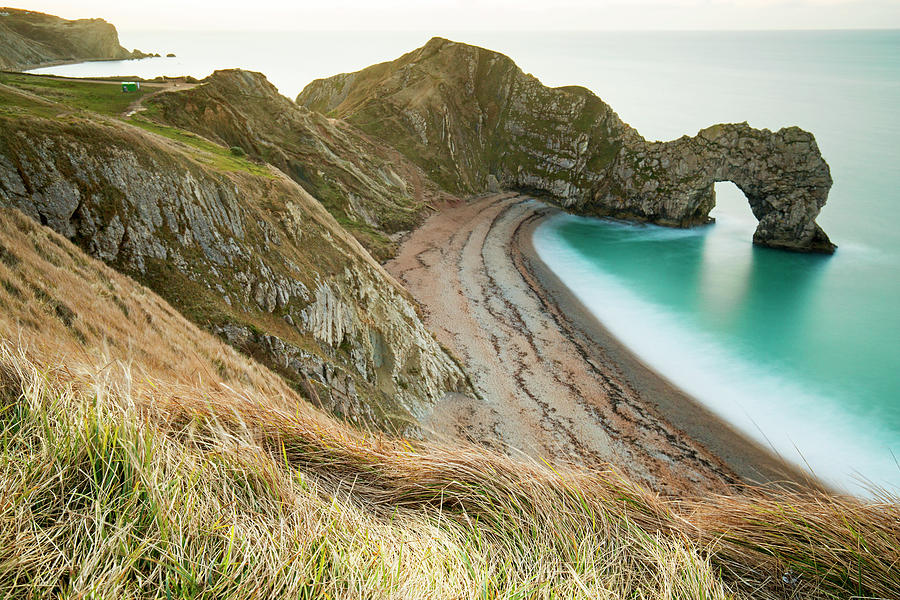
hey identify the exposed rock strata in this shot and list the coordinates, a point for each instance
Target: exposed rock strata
(251, 257)
(29, 39)
(372, 189)
(473, 121)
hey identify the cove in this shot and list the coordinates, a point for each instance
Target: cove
(786, 347)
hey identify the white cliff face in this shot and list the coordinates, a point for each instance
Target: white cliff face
(386, 343)
(250, 257)
(470, 117)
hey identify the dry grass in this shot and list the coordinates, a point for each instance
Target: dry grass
(140, 457)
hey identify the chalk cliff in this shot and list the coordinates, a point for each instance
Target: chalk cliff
(474, 121)
(370, 188)
(237, 247)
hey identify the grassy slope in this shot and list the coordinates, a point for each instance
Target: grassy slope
(64, 95)
(332, 161)
(269, 198)
(371, 189)
(477, 113)
(104, 98)
(55, 97)
(140, 457)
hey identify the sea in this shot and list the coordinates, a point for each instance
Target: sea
(800, 352)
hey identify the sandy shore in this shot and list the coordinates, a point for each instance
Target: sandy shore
(553, 382)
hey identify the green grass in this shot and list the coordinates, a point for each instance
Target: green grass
(108, 99)
(103, 98)
(12, 103)
(214, 155)
(374, 241)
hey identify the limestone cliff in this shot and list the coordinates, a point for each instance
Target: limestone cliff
(29, 39)
(473, 120)
(237, 247)
(373, 190)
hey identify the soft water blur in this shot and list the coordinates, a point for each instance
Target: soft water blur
(759, 336)
(800, 351)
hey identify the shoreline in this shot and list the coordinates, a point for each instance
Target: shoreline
(73, 61)
(749, 459)
(554, 383)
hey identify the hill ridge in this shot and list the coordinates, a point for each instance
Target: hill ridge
(474, 122)
(30, 39)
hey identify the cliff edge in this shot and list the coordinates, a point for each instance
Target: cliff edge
(474, 122)
(371, 189)
(29, 39)
(236, 246)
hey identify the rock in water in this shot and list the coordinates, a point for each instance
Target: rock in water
(470, 117)
(782, 174)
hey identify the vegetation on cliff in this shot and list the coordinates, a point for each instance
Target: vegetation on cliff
(29, 39)
(141, 456)
(370, 188)
(234, 244)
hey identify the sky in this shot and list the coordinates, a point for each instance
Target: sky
(480, 15)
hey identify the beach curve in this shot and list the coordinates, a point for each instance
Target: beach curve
(553, 383)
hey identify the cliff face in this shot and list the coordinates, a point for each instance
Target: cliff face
(28, 39)
(473, 121)
(240, 249)
(373, 190)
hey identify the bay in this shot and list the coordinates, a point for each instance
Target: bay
(800, 352)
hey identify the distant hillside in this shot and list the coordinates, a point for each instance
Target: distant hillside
(29, 39)
(236, 246)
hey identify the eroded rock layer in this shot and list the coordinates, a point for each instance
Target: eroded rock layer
(373, 190)
(474, 121)
(241, 250)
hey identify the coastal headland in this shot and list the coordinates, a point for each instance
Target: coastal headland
(553, 383)
(30, 39)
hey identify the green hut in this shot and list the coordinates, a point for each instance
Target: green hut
(131, 86)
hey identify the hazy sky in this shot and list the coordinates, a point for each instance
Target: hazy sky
(428, 15)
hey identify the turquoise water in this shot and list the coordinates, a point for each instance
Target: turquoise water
(802, 352)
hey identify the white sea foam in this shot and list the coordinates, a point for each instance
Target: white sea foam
(801, 424)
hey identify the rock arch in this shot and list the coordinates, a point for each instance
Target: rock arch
(474, 121)
(782, 175)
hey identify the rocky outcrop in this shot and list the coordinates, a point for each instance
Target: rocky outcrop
(29, 39)
(373, 190)
(244, 252)
(475, 121)
(782, 174)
